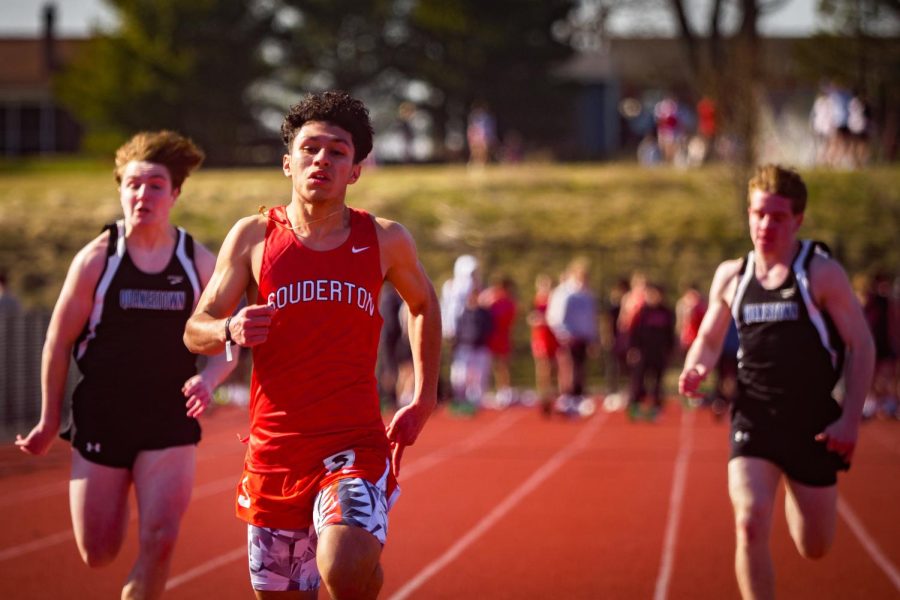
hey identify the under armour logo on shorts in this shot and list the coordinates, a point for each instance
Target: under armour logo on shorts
(339, 461)
(741, 436)
(89, 447)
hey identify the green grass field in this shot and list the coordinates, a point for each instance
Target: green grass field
(519, 220)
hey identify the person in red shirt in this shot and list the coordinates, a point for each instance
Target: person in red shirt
(689, 311)
(543, 343)
(499, 300)
(319, 475)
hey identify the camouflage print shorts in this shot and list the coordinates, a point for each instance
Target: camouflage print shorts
(285, 559)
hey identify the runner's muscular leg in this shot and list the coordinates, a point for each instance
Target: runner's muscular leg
(348, 560)
(162, 481)
(752, 484)
(811, 515)
(98, 501)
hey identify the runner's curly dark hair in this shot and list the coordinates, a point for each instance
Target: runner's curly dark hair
(337, 108)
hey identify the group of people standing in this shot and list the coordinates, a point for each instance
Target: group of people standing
(841, 123)
(635, 329)
(477, 323)
(299, 286)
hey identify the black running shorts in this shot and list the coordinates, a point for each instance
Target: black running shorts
(789, 445)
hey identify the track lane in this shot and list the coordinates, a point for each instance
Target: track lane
(595, 527)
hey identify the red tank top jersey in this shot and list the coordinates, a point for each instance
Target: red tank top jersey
(313, 390)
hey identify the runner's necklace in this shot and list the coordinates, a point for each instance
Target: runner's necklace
(264, 211)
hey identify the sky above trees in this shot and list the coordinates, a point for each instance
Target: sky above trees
(77, 17)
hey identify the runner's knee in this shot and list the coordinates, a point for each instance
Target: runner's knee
(97, 550)
(345, 581)
(159, 539)
(348, 559)
(813, 547)
(96, 556)
(752, 524)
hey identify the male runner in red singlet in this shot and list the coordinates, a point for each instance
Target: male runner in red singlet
(800, 328)
(319, 472)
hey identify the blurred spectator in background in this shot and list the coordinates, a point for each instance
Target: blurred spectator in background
(572, 315)
(632, 302)
(882, 314)
(471, 362)
(543, 343)
(649, 349)
(648, 152)
(500, 302)
(839, 152)
(390, 346)
(513, 150)
(668, 127)
(689, 311)
(822, 125)
(706, 125)
(829, 119)
(8, 302)
(481, 134)
(405, 114)
(615, 346)
(406, 373)
(455, 292)
(859, 117)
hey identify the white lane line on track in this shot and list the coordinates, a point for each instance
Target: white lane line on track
(34, 546)
(537, 478)
(57, 488)
(483, 436)
(888, 444)
(415, 467)
(868, 542)
(202, 491)
(50, 489)
(206, 567)
(676, 500)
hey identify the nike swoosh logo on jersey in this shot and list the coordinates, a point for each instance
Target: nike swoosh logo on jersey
(175, 279)
(356, 250)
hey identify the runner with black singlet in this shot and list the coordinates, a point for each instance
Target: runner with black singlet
(135, 314)
(801, 329)
(790, 360)
(121, 314)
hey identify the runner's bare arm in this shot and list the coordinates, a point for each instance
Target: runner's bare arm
(232, 278)
(71, 313)
(834, 295)
(198, 390)
(704, 352)
(402, 268)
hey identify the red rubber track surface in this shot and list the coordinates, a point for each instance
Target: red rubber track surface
(501, 505)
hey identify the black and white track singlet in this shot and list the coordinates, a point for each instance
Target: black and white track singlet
(790, 354)
(131, 354)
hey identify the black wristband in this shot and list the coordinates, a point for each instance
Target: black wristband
(228, 339)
